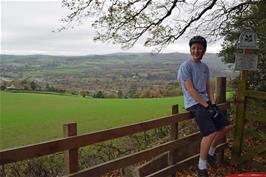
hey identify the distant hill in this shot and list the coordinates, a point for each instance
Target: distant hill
(110, 72)
(211, 59)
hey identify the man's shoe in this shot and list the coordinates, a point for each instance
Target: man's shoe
(203, 173)
(212, 160)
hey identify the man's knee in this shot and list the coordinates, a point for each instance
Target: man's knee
(228, 128)
(211, 135)
(225, 129)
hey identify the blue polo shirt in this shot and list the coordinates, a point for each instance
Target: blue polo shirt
(198, 73)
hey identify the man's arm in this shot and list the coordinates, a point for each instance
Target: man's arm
(209, 92)
(194, 94)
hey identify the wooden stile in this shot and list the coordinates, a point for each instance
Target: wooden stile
(182, 164)
(103, 168)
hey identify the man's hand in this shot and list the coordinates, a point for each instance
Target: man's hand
(214, 106)
(213, 109)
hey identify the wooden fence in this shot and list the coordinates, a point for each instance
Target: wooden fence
(181, 151)
(242, 119)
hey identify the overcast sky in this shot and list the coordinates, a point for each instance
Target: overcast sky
(26, 28)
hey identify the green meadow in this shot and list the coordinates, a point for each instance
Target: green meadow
(28, 118)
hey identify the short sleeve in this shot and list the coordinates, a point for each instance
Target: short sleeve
(208, 72)
(184, 72)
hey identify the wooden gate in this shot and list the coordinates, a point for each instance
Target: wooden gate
(250, 130)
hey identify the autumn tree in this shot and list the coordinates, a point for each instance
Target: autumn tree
(99, 94)
(132, 92)
(82, 93)
(158, 23)
(33, 85)
(119, 93)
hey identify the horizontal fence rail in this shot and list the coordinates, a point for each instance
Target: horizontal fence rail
(256, 94)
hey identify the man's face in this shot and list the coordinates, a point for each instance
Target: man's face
(197, 51)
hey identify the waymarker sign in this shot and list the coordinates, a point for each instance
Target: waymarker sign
(246, 56)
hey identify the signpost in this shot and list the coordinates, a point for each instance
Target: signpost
(246, 58)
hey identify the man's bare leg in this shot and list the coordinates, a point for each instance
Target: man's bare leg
(220, 135)
(204, 148)
(205, 145)
(217, 138)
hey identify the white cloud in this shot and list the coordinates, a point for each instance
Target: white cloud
(26, 28)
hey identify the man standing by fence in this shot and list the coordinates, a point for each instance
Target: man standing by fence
(199, 100)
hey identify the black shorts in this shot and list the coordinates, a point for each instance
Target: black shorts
(206, 121)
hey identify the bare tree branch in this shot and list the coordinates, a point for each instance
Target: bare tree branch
(158, 22)
(195, 19)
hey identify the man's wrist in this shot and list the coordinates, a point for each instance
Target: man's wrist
(206, 106)
(214, 106)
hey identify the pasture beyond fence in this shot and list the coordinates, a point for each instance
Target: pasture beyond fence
(180, 152)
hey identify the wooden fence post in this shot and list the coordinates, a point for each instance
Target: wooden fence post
(173, 136)
(240, 117)
(174, 127)
(70, 156)
(220, 90)
(240, 111)
(220, 97)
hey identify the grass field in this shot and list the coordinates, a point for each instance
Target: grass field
(30, 118)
